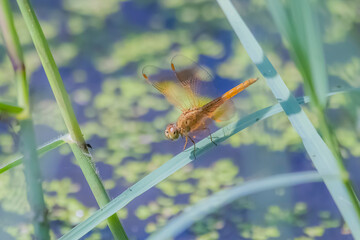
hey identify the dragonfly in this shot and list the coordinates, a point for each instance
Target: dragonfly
(185, 86)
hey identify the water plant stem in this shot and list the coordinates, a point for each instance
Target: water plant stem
(27, 135)
(78, 147)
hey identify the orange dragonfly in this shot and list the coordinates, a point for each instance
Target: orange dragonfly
(182, 86)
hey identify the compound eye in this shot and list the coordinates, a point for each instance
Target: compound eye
(171, 132)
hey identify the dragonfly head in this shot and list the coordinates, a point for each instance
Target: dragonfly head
(172, 132)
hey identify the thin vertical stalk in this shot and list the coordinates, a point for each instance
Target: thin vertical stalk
(33, 179)
(27, 135)
(78, 147)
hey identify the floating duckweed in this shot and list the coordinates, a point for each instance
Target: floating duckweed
(300, 208)
(94, 7)
(316, 231)
(6, 143)
(143, 212)
(76, 25)
(150, 227)
(261, 233)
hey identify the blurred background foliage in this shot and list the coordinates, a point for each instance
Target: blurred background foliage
(101, 47)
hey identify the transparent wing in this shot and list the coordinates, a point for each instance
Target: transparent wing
(165, 82)
(187, 85)
(194, 78)
(184, 85)
(224, 112)
(198, 82)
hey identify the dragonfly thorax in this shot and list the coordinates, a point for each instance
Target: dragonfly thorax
(190, 120)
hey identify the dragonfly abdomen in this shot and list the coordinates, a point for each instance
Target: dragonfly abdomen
(232, 92)
(211, 107)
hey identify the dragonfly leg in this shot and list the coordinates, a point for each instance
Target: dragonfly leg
(212, 140)
(210, 136)
(186, 141)
(194, 146)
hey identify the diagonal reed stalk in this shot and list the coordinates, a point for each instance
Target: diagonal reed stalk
(324, 161)
(78, 144)
(27, 135)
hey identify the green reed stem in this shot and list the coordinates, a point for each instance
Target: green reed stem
(78, 147)
(331, 140)
(27, 135)
(10, 108)
(98, 189)
(33, 179)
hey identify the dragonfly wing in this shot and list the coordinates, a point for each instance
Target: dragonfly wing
(193, 78)
(166, 82)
